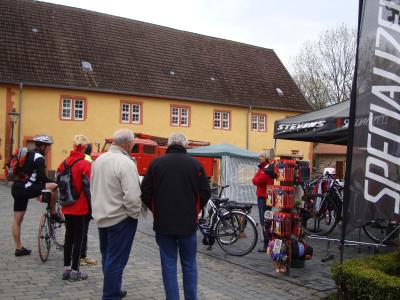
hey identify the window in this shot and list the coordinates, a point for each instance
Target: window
(148, 149)
(73, 108)
(222, 120)
(180, 116)
(131, 113)
(258, 122)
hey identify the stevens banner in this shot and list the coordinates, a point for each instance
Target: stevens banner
(375, 168)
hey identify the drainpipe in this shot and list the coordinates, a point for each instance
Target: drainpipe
(248, 128)
(21, 85)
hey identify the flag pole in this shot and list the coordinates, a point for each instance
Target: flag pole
(349, 154)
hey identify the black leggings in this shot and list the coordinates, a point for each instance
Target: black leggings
(75, 231)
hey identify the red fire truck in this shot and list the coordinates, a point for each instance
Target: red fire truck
(148, 147)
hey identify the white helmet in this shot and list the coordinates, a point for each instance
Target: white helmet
(43, 139)
(329, 172)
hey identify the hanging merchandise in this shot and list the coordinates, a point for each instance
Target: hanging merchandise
(286, 170)
(284, 196)
(302, 174)
(270, 201)
(277, 248)
(285, 224)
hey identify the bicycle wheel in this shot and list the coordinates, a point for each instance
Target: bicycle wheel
(44, 238)
(236, 233)
(323, 221)
(59, 234)
(382, 230)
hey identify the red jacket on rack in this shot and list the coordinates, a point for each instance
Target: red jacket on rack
(261, 180)
(80, 180)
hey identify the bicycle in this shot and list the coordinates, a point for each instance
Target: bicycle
(49, 231)
(322, 211)
(383, 231)
(228, 223)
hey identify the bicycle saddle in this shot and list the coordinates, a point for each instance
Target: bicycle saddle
(236, 205)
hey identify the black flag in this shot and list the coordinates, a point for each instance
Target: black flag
(374, 185)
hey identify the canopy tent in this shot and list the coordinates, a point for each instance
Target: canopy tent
(238, 167)
(328, 125)
(220, 150)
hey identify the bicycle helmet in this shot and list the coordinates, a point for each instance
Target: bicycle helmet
(43, 139)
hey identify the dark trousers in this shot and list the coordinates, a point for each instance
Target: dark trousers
(262, 208)
(187, 245)
(74, 238)
(85, 237)
(115, 246)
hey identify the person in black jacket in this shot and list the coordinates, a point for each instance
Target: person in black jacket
(175, 189)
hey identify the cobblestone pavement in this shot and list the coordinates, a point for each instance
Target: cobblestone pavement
(220, 276)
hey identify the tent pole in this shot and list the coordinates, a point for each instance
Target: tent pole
(274, 145)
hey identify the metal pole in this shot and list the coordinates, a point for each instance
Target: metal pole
(248, 128)
(349, 155)
(20, 113)
(11, 138)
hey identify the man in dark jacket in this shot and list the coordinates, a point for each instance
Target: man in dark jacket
(175, 188)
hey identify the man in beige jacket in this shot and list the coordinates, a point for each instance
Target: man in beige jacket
(116, 205)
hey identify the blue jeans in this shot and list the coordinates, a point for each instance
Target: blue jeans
(262, 208)
(115, 246)
(187, 245)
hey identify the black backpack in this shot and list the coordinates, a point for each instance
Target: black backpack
(66, 191)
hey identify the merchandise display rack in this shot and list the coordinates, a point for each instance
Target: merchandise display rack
(283, 223)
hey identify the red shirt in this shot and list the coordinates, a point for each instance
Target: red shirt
(80, 170)
(261, 180)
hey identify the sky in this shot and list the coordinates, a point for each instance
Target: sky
(283, 26)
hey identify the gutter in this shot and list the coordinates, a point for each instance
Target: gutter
(248, 127)
(21, 85)
(132, 93)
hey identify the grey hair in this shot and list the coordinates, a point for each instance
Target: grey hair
(178, 139)
(123, 137)
(268, 153)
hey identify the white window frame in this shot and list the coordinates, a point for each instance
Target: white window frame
(69, 112)
(136, 113)
(126, 111)
(80, 109)
(262, 122)
(217, 119)
(254, 122)
(180, 116)
(226, 117)
(64, 108)
(259, 122)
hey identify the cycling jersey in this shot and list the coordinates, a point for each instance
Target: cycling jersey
(35, 171)
(34, 168)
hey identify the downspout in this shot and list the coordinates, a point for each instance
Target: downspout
(248, 128)
(21, 85)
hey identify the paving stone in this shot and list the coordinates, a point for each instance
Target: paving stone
(220, 276)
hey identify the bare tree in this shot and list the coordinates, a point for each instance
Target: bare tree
(323, 69)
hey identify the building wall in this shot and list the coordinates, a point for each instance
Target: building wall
(40, 114)
(328, 161)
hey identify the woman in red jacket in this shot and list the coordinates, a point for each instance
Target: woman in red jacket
(261, 180)
(78, 213)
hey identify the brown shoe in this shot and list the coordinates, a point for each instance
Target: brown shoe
(88, 261)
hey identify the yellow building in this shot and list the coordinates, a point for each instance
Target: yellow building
(69, 71)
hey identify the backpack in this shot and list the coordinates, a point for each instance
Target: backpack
(66, 191)
(270, 171)
(12, 168)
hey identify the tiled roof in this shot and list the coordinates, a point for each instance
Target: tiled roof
(44, 44)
